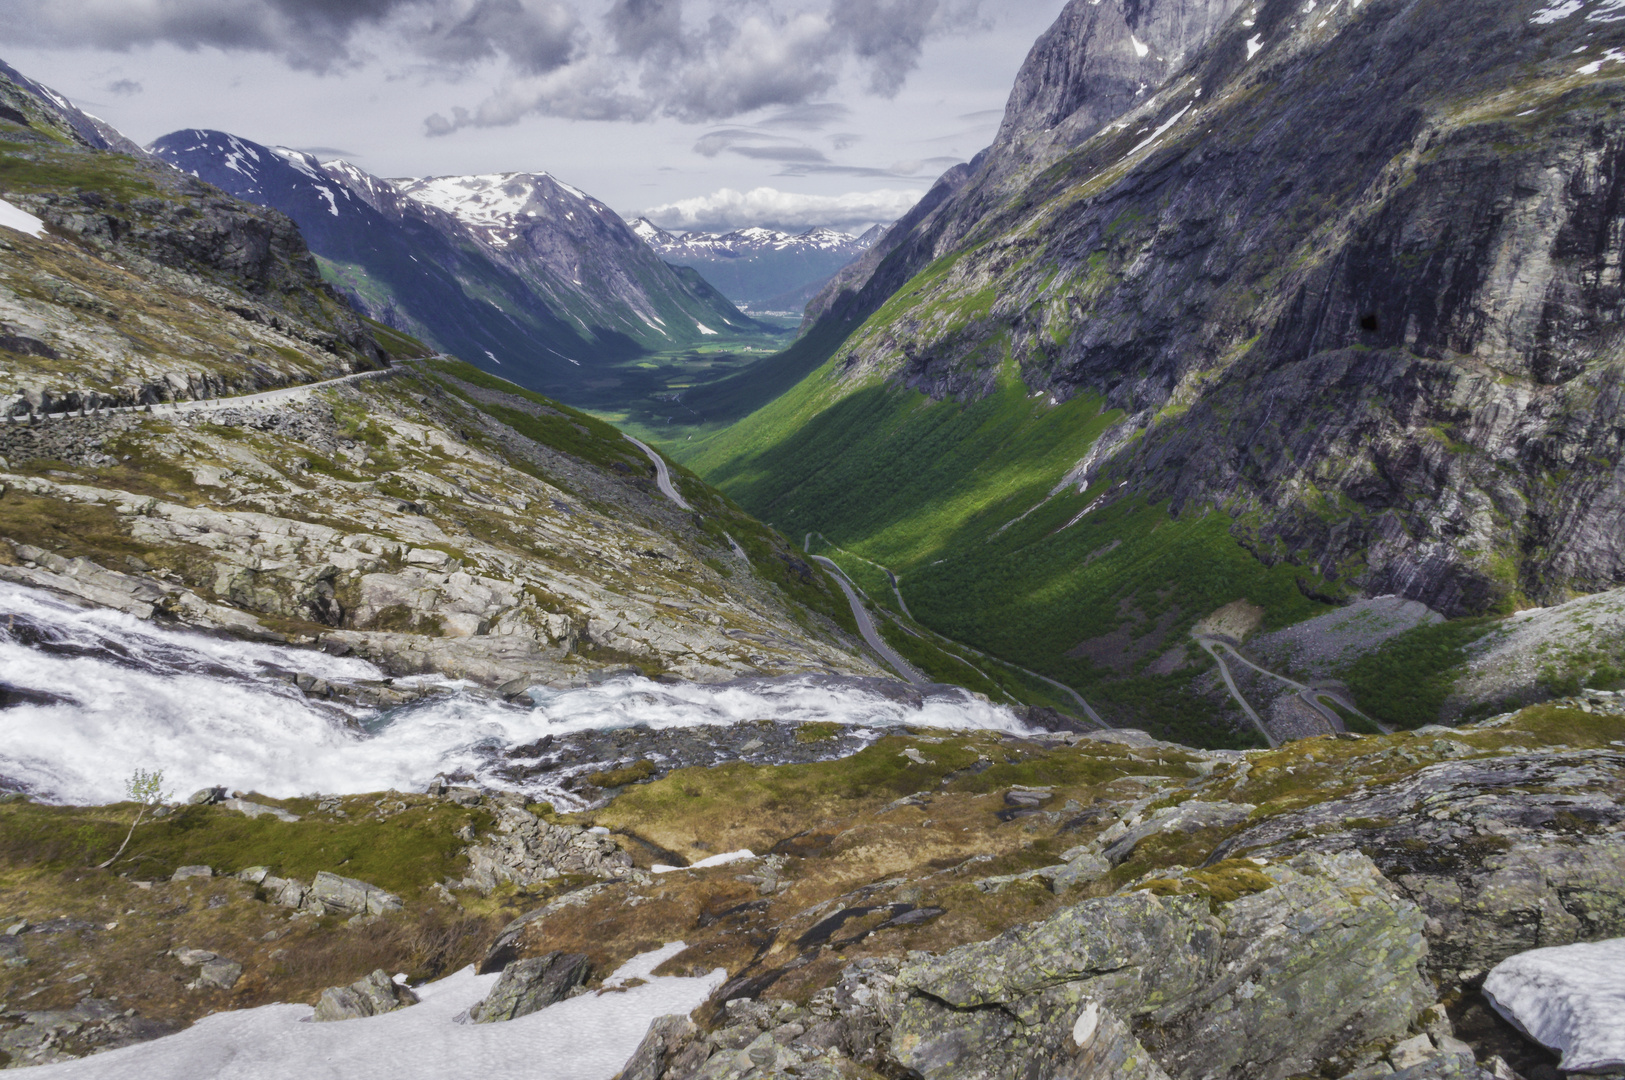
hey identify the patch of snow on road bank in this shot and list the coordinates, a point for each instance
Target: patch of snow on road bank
(584, 1038)
(1570, 998)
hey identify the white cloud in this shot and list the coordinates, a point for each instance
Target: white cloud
(729, 209)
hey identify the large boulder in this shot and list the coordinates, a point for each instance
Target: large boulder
(371, 996)
(531, 985)
(1320, 955)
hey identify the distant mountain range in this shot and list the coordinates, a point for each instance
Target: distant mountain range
(515, 271)
(761, 269)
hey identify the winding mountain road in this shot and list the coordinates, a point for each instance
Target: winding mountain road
(1309, 695)
(662, 474)
(897, 591)
(1213, 650)
(280, 396)
(866, 627)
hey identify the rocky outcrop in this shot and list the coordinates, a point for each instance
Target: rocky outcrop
(1224, 998)
(373, 995)
(92, 1025)
(425, 536)
(526, 850)
(1315, 967)
(327, 894)
(1500, 856)
(214, 972)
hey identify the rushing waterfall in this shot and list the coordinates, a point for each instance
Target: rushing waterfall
(88, 695)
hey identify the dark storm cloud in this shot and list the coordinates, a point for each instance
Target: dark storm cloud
(707, 60)
(124, 87)
(695, 60)
(306, 33)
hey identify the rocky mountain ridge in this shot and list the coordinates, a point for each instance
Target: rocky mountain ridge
(516, 271)
(1449, 299)
(148, 284)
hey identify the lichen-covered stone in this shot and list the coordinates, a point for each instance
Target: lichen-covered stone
(1267, 986)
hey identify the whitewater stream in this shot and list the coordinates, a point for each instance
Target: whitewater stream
(88, 695)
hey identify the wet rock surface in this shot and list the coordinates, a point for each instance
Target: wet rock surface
(566, 762)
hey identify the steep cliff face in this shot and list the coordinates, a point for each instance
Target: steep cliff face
(1098, 61)
(1350, 274)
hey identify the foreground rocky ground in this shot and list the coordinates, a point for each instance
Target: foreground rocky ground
(936, 903)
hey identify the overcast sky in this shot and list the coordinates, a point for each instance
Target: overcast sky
(703, 113)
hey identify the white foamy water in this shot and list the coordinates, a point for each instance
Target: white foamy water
(111, 693)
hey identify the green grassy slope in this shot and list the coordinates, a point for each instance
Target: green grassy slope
(955, 498)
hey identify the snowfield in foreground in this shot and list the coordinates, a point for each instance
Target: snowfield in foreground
(1570, 998)
(585, 1038)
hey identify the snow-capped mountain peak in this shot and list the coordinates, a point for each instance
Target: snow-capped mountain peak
(751, 240)
(498, 205)
(757, 263)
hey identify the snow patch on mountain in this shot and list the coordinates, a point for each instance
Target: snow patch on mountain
(752, 240)
(498, 205)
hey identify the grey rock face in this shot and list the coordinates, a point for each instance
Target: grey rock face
(840, 1025)
(43, 1036)
(531, 985)
(218, 974)
(1500, 855)
(371, 996)
(667, 1036)
(1095, 63)
(1275, 982)
(1186, 817)
(1418, 327)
